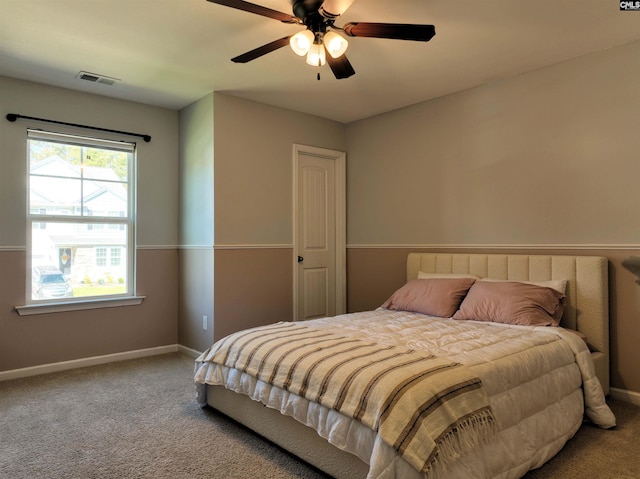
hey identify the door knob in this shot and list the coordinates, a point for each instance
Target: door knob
(300, 259)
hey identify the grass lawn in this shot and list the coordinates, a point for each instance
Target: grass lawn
(98, 290)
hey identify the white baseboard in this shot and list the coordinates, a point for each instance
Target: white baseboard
(625, 395)
(188, 351)
(83, 362)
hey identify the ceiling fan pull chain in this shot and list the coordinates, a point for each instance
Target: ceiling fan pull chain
(319, 64)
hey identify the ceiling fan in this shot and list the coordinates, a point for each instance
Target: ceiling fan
(318, 42)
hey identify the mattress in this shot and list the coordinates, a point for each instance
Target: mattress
(540, 382)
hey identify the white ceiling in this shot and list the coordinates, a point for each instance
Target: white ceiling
(170, 53)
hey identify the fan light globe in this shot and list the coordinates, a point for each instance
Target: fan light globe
(335, 44)
(316, 56)
(301, 42)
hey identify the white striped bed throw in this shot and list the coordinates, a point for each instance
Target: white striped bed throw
(430, 410)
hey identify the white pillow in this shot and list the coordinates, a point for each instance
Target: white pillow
(559, 285)
(423, 275)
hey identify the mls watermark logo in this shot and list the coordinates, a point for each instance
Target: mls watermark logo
(628, 6)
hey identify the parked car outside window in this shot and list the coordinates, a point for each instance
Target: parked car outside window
(48, 282)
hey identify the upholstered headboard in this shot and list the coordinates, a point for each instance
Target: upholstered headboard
(587, 308)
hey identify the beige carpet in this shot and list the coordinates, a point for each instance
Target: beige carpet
(138, 419)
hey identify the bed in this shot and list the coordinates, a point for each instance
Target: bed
(537, 382)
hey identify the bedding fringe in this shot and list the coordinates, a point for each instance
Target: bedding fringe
(477, 429)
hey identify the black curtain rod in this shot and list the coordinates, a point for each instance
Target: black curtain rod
(15, 116)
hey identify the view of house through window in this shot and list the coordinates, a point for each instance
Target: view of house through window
(80, 217)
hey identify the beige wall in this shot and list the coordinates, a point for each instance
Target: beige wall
(49, 338)
(157, 160)
(196, 224)
(254, 207)
(548, 159)
(254, 168)
(247, 279)
(253, 287)
(196, 297)
(46, 338)
(196, 173)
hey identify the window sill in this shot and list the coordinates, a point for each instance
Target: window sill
(44, 308)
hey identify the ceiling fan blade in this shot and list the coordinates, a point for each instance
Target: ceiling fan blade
(341, 67)
(257, 9)
(263, 50)
(398, 31)
(334, 8)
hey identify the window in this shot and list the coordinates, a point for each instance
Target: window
(80, 218)
(115, 256)
(101, 257)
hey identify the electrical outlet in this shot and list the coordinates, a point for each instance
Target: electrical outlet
(204, 323)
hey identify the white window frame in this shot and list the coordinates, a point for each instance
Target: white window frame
(36, 306)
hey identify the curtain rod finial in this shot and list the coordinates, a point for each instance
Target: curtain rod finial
(12, 116)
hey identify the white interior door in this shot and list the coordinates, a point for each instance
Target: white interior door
(319, 269)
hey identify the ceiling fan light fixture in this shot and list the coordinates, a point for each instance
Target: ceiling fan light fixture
(301, 42)
(316, 56)
(336, 45)
(318, 16)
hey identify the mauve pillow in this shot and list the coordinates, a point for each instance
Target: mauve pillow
(512, 303)
(435, 297)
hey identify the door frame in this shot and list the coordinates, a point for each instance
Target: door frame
(340, 158)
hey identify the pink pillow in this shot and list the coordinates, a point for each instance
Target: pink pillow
(512, 303)
(435, 297)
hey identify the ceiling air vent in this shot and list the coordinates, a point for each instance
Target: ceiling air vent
(95, 78)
